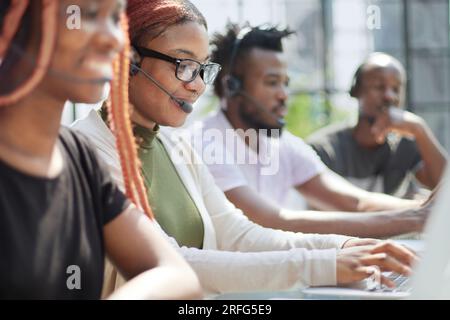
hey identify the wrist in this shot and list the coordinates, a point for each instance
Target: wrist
(416, 126)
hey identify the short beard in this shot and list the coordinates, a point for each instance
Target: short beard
(251, 119)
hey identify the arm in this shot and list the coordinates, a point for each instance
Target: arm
(432, 153)
(144, 256)
(370, 224)
(329, 191)
(408, 124)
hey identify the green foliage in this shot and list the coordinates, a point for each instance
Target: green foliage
(308, 113)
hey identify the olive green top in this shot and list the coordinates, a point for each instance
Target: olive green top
(169, 199)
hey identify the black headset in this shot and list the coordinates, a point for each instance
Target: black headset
(356, 82)
(231, 83)
(135, 61)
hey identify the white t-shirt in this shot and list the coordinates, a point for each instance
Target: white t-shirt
(281, 164)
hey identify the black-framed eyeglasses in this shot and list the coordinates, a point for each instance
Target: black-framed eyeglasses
(186, 69)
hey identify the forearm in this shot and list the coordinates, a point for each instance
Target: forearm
(433, 154)
(331, 192)
(372, 201)
(166, 282)
(370, 224)
(225, 271)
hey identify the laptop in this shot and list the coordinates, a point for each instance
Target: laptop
(431, 276)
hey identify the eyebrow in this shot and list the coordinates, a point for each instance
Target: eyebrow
(189, 54)
(275, 75)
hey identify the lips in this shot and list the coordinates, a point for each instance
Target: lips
(99, 69)
(281, 111)
(188, 100)
(99, 65)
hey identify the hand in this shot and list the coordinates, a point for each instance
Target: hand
(355, 242)
(423, 212)
(432, 197)
(396, 120)
(357, 263)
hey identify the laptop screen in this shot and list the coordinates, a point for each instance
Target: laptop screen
(431, 279)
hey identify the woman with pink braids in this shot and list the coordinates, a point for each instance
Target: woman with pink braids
(60, 211)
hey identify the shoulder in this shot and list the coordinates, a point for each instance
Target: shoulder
(78, 146)
(330, 134)
(291, 143)
(73, 139)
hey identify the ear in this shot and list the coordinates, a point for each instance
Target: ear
(231, 85)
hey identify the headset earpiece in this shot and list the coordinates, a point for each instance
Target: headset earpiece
(356, 83)
(232, 85)
(135, 62)
(133, 69)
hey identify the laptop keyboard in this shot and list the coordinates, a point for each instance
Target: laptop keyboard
(402, 283)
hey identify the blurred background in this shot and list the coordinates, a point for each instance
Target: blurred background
(332, 38)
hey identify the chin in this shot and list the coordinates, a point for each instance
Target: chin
(178, 123)
(88, 97)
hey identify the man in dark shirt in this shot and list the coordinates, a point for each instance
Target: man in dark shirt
(389, 146)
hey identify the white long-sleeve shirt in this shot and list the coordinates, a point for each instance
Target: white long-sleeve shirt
(238, 255)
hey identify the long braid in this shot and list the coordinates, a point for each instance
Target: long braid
(49, 31)
(121, 126)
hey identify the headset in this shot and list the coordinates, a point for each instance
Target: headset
(231, 83)
(356, 82)
(233, 86)
(135, 68)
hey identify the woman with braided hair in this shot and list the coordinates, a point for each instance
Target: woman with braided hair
(229, 253)
(60, 211)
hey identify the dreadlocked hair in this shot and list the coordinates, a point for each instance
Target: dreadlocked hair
(120, 124)
(265, 37)
(149, 19)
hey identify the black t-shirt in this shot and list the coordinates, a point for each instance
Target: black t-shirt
(393, 164)
(51, 230)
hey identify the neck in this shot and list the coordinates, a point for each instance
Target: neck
(28, 135)
(139, 119)
(30, 127)
(231, 112)
(363, 135)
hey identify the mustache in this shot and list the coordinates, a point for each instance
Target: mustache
(280, 106)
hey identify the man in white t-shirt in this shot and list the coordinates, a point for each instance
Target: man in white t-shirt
(256, 163)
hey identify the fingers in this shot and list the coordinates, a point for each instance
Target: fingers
(376, 277)
(387, 282)
(386, 263)
(400, 253)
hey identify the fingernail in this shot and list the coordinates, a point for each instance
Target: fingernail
(408, 271)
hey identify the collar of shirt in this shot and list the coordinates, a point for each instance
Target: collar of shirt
(145, 137)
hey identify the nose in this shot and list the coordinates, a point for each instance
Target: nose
(198, 85)
(110, 38)
(283, 93)
(391, 96)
